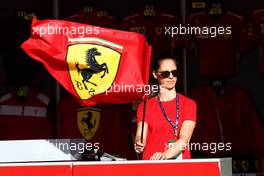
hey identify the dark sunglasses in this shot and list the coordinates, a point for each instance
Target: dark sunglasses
(166, 74)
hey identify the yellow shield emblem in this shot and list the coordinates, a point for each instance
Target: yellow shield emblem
(158, 30)
(226, 36)
(88, 119)
(93, 64)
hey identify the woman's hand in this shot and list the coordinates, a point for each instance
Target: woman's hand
(158, 156)
(140, 142)
(139, 147)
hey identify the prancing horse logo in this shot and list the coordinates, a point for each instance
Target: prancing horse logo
(88, 119)
(93, 64)
(94, 68)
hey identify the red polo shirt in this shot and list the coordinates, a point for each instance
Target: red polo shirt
(217, 56)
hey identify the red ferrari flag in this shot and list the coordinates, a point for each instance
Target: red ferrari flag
(96, 65)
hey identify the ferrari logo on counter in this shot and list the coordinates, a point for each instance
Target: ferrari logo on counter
(88, 119)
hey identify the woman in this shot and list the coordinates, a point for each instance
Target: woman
(169, 117)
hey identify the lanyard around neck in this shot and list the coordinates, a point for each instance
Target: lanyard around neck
(175, 126)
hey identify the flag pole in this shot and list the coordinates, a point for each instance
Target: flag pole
(143, 121)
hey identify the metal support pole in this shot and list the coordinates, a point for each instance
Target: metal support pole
(184, 55)
(56, 16)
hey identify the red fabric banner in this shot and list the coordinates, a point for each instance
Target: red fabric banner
(96, 65)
